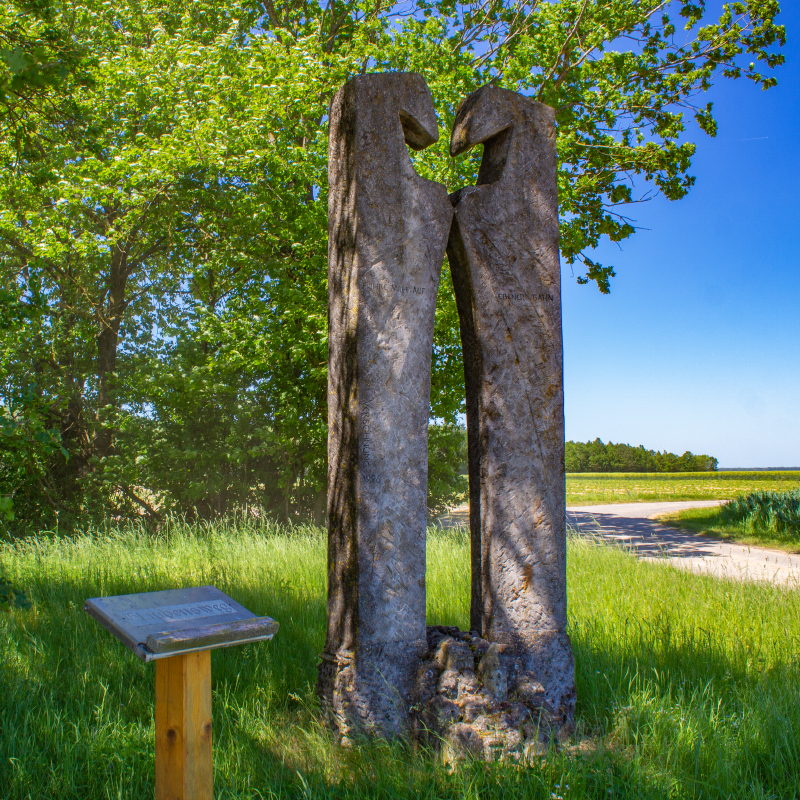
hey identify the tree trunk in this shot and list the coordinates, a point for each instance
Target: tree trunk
(107, 342)
(287, 495)
(320, 507)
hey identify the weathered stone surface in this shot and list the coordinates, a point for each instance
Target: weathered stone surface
(465, 707)
(388, 229)
(504, 258)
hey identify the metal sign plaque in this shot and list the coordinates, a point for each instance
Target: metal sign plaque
(161, 624)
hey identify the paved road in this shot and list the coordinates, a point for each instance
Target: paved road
(632, 525)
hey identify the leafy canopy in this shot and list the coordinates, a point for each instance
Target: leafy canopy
(163, 213)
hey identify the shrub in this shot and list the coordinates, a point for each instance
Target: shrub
(447, 465)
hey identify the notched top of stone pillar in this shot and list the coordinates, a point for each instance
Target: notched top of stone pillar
(372, 119)
(394, 103)
(419, 131)
(504, 122)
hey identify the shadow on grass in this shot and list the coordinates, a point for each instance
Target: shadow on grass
(645, 537)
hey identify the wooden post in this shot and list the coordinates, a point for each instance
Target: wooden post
(183, 727)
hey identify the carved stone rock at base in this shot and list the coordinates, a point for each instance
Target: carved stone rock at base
(462, 740)
(483, 705)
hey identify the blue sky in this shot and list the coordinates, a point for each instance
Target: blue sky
(698, 345)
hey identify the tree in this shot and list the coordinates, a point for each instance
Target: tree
(447, 467)
(101, 222)
(40, 58)
(598, 457)
(162, 238)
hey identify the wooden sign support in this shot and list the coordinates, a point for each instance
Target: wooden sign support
(167, 627)
(183, 727)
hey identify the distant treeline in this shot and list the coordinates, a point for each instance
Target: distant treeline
(598, 457)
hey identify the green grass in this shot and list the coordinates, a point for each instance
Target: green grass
(766, 519)
(593, 488)
(687, 686)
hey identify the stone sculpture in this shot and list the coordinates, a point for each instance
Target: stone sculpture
(504, 258)
(388, 229)
(508, 684)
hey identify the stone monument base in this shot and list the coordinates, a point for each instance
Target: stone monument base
(473, 700)
(371, 698)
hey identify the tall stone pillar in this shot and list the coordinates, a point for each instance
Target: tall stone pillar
(388, 229)
(504, 258)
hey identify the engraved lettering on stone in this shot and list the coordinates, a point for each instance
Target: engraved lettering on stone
(177, 613)
(378, 288)
(521, 296)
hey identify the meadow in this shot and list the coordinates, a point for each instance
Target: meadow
(593, 488)
(687, 686)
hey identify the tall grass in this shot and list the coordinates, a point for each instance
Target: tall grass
(776, 514)
(761, 518)
(687, 686)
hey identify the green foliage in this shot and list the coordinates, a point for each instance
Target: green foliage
(771, 513)
(686, 686)
(598, 457)
(232, 414)
(11, 597)
(447, 467)
(40, 58)
(765, 513)
(164, 200)
(31, 451)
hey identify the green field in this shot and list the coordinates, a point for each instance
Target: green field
(593, 488)
(688, 687)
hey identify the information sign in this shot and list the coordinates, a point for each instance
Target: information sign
(161, 624)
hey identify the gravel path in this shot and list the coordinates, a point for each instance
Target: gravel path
(632, 525)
